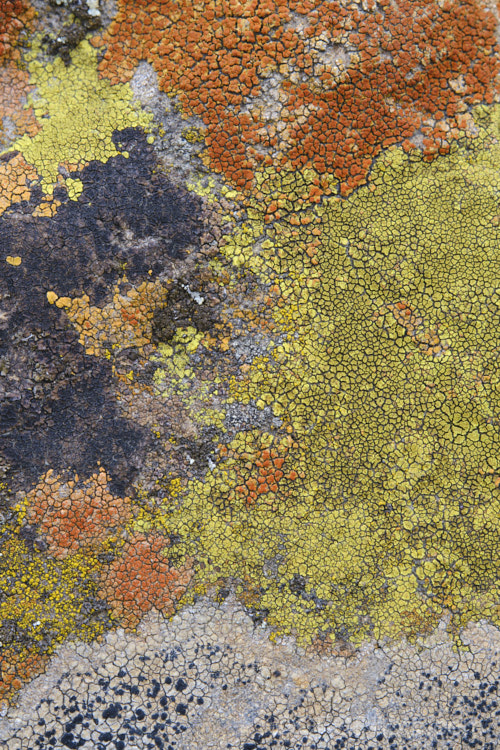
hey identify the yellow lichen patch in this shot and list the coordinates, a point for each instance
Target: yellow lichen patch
(428, 340)
(63, 302)
(123, 322)
(193, 135)
(384, 375)
(77, 112)
(75, 188)
(13, 260)
(44, 595)
(204, 187)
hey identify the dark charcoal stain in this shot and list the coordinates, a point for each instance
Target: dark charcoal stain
(298, 585)
(57, 408)
(75, 23)
(180, 310)
(202, 449)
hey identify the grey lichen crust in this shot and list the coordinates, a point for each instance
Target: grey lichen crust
(211, 678)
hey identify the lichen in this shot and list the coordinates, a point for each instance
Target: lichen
(78, 114)
(385, 382)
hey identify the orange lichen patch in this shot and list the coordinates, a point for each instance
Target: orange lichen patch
(142, 579)
(16, 669)
(15, 16)
(48, 207)
(219, 337)
(72, 515)
(124, 322)
(421, 65)
(16, 177)
(347, 80)
(427, 339)
(259, 473)
(15, 118)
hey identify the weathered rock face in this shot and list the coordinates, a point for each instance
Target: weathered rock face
(249, 297)
(126, 220)
(210, 676)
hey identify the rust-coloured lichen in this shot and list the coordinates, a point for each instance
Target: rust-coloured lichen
(15, 16)
(343, 80)
(73, 515)
(142, 579)
(16, 669)
(16, 118)
(260, 472)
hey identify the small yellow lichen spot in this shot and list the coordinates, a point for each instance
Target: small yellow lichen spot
(203, 187)
(75, 188)
(14, 260)
(63, 302)
(51, 297)
(193, 135)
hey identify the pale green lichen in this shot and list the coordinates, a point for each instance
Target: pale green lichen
(177, 376)
(175, 358)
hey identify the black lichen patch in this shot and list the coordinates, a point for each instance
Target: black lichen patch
(57, 408)
(181, 310)
(71, 21)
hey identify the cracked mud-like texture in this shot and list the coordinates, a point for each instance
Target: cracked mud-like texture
(249, 386)
(211, 678)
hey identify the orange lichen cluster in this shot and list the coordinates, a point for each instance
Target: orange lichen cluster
(259, 473)
(427, 339)
(125, 321)
(142, 579)
(15, 16)
(15, 119)
(343, 80)
(15, 178)
(270, 472)
(47, 207)
(72, 515)
(16, 669)
(421, 64)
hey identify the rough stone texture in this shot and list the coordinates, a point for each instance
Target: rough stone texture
(249, 389)
(211, 678)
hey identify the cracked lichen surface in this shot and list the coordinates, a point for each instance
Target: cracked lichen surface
(78, 114)
(249, 302)
(387, 384)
